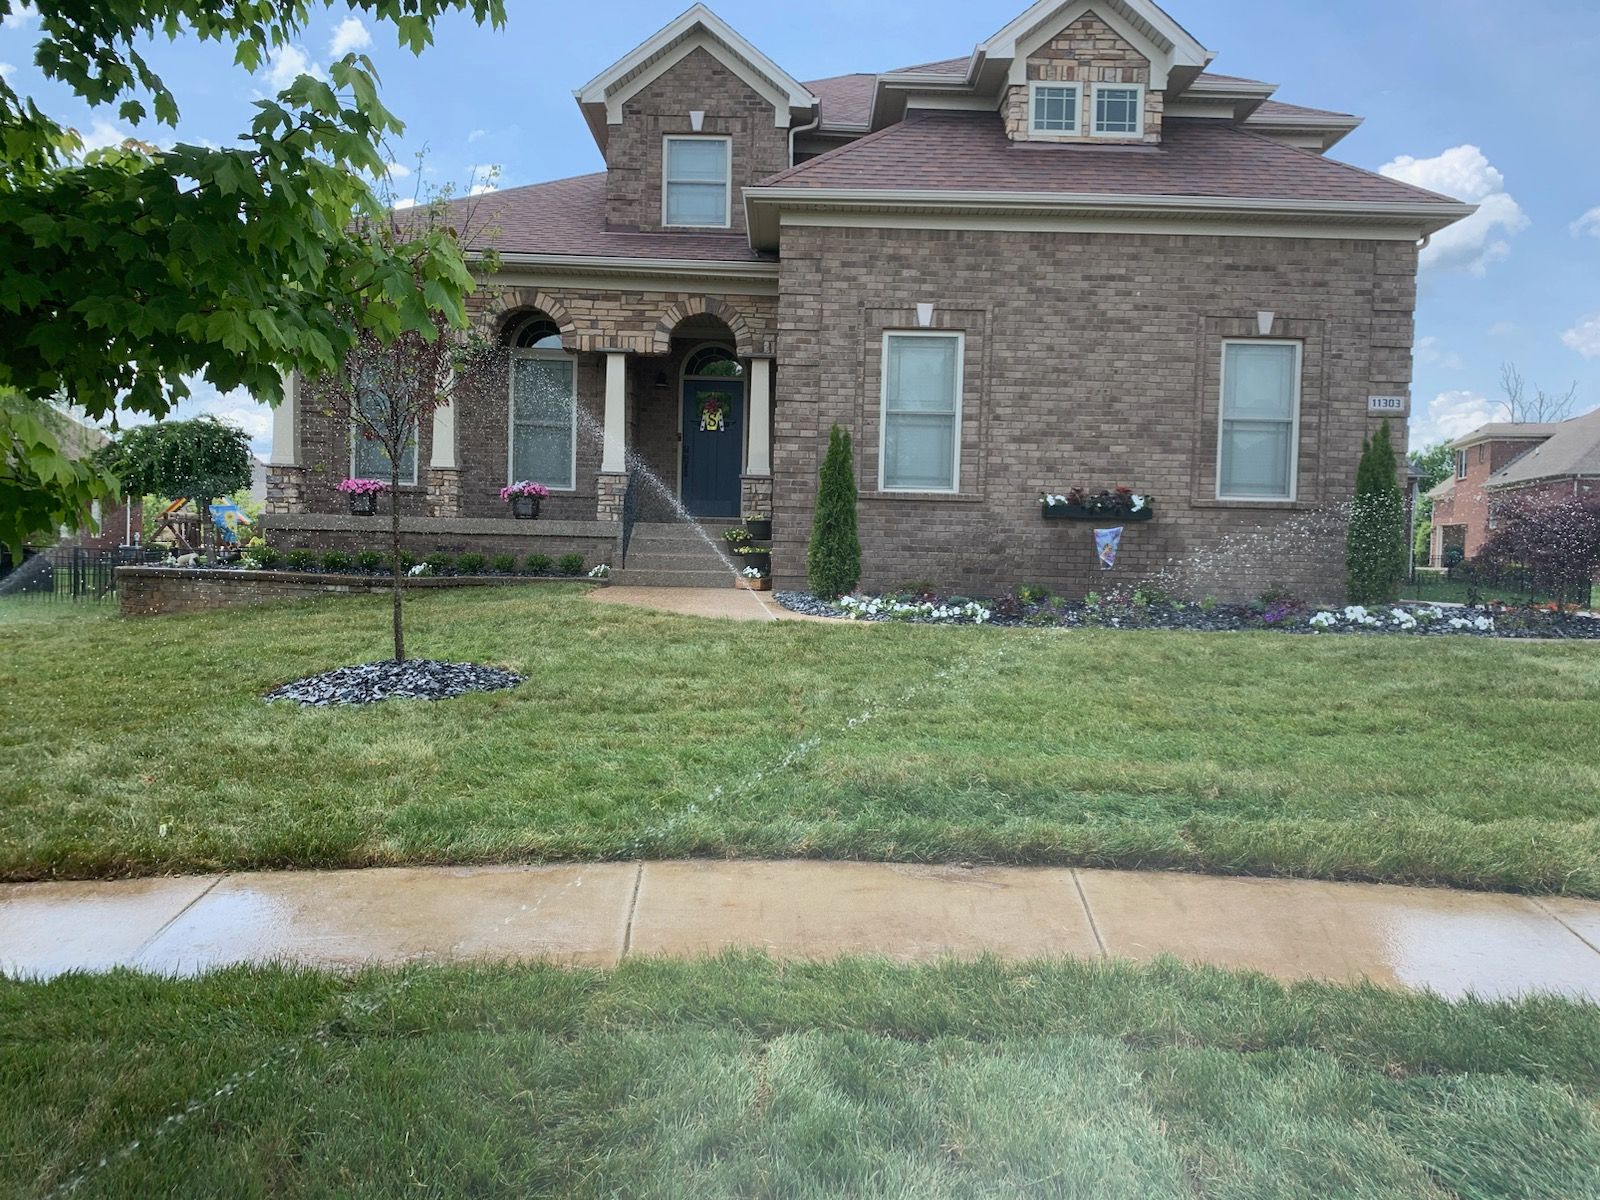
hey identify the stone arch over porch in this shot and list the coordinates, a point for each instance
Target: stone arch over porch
(510, 304)
(747, 342)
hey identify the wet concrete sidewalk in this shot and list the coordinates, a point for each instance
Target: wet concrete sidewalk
(1451, 942)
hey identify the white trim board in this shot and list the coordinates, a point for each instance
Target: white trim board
(727, 179)
(1299, 348)
(960, 381)
(1105, 225)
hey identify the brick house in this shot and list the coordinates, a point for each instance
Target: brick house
(1498, 461)
(1072, 257)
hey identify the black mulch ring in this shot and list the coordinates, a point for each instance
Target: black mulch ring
(414, 679)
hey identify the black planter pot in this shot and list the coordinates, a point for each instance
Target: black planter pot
(1080, 512)
(525, 508)
(760, 529)
(761, 560)
(364, 504)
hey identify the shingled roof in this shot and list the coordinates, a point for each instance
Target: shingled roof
(934, 151)
(1573, 450)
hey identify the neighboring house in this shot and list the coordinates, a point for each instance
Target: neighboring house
(1072, 257)
(116, 524)
(1500, 460)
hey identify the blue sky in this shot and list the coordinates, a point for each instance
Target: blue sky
(1485, 100)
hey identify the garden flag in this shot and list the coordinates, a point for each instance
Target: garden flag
(1106, 544)
(229, 517)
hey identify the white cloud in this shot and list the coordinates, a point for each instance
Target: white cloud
(1451, 415)
(1464, 172)
(7, 70)
(477, 135)
(103, 135)
(408, 202)
(481, 189)
(236, 408)
(1584, 337)
(350, 35)
(22, 16)
(398, 170)
(1589, 224)
(289, 62)
(1429, 354)
(1502, 329)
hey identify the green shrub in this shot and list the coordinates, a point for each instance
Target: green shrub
(266, 557)
(471, 564)
(503, 564)
(370, 561)
(570, 564)
(335, 561)
(301, 560)
(440, 564)
(1375, 549)
(539, 564)
(833, 562)
(407, 561)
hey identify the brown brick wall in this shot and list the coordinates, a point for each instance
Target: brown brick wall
(634, 150)
(1102, 372)
(1087, 52)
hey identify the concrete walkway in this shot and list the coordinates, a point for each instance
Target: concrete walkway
(730, 603)
(1451, 942)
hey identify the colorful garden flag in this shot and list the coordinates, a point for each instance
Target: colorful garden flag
(1106, 544)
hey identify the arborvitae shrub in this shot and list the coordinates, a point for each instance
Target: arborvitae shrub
(833, 562)
(1375, 548)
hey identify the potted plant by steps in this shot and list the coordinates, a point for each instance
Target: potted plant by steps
(363, 495)
(754, 579)
(736, 537)
(759, 527)
(1119, 504)
(759, 557)
(524, 498)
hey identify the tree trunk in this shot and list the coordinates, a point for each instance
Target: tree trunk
(394, 560)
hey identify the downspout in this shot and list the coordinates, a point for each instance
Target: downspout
(796, 130)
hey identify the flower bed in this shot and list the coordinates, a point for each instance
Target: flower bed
(1149, 610)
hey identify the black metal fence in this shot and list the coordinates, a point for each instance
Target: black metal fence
(69, 573)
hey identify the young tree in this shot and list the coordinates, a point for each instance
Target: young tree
(1538, 408)
(146, 266)
(833, 562)
(1375, 549)
(1554, 538)
(198, 460)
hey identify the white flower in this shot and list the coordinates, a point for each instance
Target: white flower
(419, 570)
(1139, 502)
(1325, 620)
(600, 572)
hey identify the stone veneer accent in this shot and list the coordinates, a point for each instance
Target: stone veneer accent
(444, 492)
(756, 491)
(613, 490)
(595, 540)
(1118, 386)
(1087, 52)
(286, 488)
(634, 148)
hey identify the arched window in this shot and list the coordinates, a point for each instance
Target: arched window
(534, 332)
(544, 405)
(713, 362)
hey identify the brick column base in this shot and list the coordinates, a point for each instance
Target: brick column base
(444, 492)
(286, 490)
(755, 495)
(610, 491)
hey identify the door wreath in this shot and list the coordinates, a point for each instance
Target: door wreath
(713, 412)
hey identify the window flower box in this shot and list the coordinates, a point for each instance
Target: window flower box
(524, 498)
(1120, 504)
(363, 495)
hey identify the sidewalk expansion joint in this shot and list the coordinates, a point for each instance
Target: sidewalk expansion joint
(1094, 926)
(176, 917)
(633, 911)
(1556, 917)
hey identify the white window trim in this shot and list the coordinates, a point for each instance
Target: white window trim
(1077, 109)
(1294, 431)
(727, 183)
(1094, 109)
(416, 452)
(511, 414)
(883, 409)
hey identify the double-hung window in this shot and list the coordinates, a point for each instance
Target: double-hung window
(368, 458)
(921, 412)
(696, 182)
(1260, 426)
(544, 418)
(1054, 108)
(1119, 110)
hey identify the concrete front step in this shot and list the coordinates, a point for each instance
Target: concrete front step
(651, 577)
(674, 560)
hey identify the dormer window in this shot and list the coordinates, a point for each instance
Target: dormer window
(696, 182)
(1055, 108)
(1119, 110)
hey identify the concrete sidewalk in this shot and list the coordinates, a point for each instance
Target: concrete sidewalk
(1451, 942)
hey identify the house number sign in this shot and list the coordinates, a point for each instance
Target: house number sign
(1388, 406)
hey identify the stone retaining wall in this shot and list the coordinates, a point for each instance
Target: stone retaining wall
(152, 591)
(422, 536)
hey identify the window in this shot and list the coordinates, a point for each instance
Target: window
(368, 458)
(1055, 107)
(1461, 464)
(1260, 427)
(696, 182)
(920, 439)
(544, 418)
(713, 362)
(1119, 110)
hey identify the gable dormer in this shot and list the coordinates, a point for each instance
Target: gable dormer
(1091, 70)
(686, 121)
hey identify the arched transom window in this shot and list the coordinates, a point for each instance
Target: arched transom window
(713, 362)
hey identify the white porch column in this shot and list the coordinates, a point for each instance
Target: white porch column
(614, 456)
(759, 459)
(444, 439)
(286, 427)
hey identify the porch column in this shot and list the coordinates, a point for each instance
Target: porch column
(756, 486)
(285, 475)
(444, 469)
(612, 484)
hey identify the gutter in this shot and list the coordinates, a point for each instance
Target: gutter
(601, 264)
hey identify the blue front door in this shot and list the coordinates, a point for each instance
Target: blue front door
(713, 446)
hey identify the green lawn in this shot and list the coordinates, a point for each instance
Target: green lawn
(738, 1077)
(132, 747)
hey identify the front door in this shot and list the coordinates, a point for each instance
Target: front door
(713, 446)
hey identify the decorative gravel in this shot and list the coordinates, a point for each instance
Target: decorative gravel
(414, 679)
(1238, 618)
